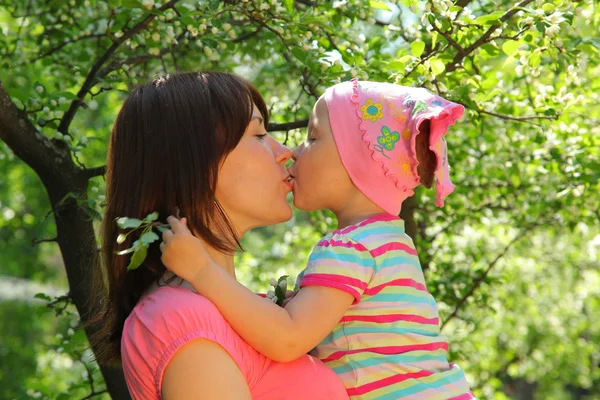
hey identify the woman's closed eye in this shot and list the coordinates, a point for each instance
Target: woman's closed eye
(261, 136)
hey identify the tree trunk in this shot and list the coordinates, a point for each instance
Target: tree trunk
(51, 161)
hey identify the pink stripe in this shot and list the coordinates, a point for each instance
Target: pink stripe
(393, 246)
(339, 243)
(368, 221)
(336, 285)
(388, 350)
(369, 387)
(392, 318)
(466, 396)
(337, 279)
(397, 282)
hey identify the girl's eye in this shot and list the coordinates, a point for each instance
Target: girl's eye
(262, 136)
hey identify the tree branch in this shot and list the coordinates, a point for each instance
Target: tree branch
(484, 275)
(454, 64)
(93, 172)
(288, 125)
(36, 150)
(92, 76)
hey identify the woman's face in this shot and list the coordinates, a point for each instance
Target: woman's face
(252, 185)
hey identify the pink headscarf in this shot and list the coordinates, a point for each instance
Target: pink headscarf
(375, 126)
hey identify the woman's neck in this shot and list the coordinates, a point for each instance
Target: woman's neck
(224, 260)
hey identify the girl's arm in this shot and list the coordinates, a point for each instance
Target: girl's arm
(281, 334)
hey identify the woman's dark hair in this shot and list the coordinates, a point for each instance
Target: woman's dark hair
(166, 147)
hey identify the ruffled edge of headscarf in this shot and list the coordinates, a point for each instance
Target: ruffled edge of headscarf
(447, 116)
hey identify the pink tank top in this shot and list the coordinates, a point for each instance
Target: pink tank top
(170, 316)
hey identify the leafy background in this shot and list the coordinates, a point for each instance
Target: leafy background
(512, 258)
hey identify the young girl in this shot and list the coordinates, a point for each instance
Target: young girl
(362, 306)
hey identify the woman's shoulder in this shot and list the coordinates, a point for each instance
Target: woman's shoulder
(161, 323)
(171, 311)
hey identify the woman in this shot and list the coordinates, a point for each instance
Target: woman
(197, 143)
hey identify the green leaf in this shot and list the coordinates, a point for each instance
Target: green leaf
(510, 47)
(490, 49)
(42, 296)
(417, 48)
(550, 112)
(396, 65)
(405, 58)
(138, 258)
(148, 237)
(548, 8)
(126, 223)
(379, 5)
(289, 6)
(534, 59)
(489, 19)
(132, 4)
(437, 66)
(299, 54)
(489, 83)
(434, 36)
(151, 217)
(162, 228)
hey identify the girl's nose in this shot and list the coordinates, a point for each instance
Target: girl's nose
(297, 151)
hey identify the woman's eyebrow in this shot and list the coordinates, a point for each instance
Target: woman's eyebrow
(258, 117)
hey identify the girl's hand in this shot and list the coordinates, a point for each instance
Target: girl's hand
(182, 252)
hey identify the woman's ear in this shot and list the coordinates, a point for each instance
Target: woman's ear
(426, 157)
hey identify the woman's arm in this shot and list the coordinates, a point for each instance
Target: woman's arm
(203, 370)
(282, 334)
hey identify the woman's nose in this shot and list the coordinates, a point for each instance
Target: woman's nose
(282, 153)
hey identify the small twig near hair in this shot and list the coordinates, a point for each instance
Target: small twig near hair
(65, 299)
(35, 241)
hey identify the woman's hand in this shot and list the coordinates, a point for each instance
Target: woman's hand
(182, 252)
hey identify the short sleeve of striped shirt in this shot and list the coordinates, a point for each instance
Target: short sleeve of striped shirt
(341, 263)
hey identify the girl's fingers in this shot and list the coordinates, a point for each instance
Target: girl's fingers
(162, 247)
(167, 235)
(178, 226)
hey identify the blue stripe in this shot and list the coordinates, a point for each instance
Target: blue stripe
(399, 260)
(399, 297)
(350, 330)
(351, 257)
(420, 387)
(393, 360)
(379, 230)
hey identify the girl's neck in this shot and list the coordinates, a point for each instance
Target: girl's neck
(355, 212)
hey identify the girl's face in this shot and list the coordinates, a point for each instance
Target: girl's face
(253, 183)
(319, 179)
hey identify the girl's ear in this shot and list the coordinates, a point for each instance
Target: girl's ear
(426, 157)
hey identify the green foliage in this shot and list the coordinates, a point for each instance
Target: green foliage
(513, 256)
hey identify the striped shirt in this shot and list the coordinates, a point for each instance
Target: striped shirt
(388, 344)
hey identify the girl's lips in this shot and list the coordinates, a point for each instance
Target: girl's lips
(288, 181)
